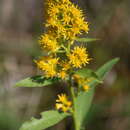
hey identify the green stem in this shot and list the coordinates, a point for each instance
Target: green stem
(73, 102)
(72, 94)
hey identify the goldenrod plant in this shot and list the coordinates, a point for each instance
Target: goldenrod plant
(66, 61)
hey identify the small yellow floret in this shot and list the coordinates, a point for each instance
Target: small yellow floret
(76, 77)
(48, 42)
(86, 88)
(62, 103)
(62, 98)
(59, 106)
(65, 65)
(79, 57)
(62, 74)
(48, 65)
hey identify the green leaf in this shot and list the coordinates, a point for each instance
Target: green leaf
(81, 106)
(88, 73)
(86, 39)
(36, 81)
(83, 101)
(102, 72)
(48, 118)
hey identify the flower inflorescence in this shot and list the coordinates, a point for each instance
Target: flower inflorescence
(63, 104)
(65, 22)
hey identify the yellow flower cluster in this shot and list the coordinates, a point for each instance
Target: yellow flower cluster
(83, 82)
(48, 65)
(65, 21)
(79, 57)
(48, 42)
(63, 104)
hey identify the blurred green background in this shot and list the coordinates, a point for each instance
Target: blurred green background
(21, 23)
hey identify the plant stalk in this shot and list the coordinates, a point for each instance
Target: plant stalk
(73, 114)
(73, 102)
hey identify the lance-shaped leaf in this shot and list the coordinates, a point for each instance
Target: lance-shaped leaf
(88, 73)
(83, 101)
(48, 118)
(36, 81)
(87, 40)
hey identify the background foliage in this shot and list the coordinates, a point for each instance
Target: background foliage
(20, 26)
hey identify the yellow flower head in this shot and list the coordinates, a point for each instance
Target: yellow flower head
(82, 81)
(48, 65)
(77, 78)
(62, 74)
(48, 42)
(65, 65)
(79, 57)
(86, 88)
(62, 103)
